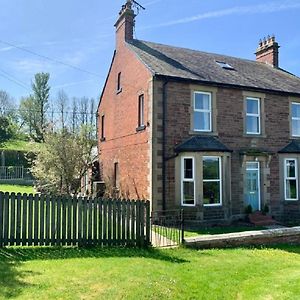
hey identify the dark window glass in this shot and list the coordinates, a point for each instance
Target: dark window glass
(188, 193)
(211, 192)
(141, 111)
(102, 127)
(119, 82)
(116, 175)
(188, 168)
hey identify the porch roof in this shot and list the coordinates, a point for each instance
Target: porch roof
(201, 143)
(292, 147)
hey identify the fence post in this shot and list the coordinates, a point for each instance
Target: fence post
(148, 223)
(182, 225)
(1, 218)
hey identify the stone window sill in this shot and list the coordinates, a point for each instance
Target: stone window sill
(141, 128)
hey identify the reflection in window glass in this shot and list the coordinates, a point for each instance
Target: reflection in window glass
(212, 189)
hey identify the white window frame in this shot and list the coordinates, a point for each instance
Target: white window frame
(183, 179)
(258, 115)
(220, 180)
(290, 178)
(294, 118)
(203, 111)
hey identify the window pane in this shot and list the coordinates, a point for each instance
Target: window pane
(202, 121)
(188, 168)
(211, 193)
(188, 192)
(291, 189)
(211, 168)
(252, 124)
(296, 127)
(252, 165)
(202, 101)
(290, 169)
(252, 106)
(295, 110)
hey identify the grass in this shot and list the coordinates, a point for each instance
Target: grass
(219, 230)
(19, 145)
(71, 273)
(10, 188)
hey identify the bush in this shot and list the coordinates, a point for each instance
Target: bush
(248, 209)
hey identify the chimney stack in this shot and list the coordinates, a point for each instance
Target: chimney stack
(125, 24)
(267, 51)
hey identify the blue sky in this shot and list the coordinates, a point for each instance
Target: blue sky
(81, 34)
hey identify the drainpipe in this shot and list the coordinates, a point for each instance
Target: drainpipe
(164, 144)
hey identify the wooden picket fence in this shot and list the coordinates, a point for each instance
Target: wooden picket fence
(41, 220)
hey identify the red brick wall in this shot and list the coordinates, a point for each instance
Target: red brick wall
(123, 144)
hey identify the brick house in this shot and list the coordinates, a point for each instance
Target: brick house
(209, 133)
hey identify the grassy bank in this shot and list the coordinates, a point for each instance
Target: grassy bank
(11, 188)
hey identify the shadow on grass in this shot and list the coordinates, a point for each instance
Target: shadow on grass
(12, 278)
(19, 254)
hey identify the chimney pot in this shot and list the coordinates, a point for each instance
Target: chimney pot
(268, 51)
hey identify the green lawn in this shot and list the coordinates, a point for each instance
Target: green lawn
(16, 188)
(70, 273)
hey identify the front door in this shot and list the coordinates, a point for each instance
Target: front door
(253, 185)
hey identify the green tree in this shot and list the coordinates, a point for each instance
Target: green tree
(6, 130)
(62, 160)
(33, 109)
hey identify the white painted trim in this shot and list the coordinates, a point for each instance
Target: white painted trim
(258, 177)
(291, 178)
(209, 111)
(187, 180)
(220, 180)
(258, 115)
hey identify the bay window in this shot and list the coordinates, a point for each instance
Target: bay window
(291, 179)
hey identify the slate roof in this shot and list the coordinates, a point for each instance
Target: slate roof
(292, 147)
(201, 143)
(201, 66)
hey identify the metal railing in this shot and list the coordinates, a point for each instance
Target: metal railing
(167, 228)
(14, 173)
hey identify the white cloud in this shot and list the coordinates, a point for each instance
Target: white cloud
(32, 66)
(60, 86)
(270, 7)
